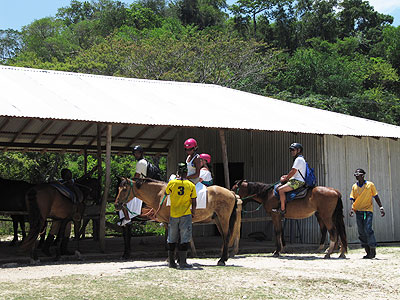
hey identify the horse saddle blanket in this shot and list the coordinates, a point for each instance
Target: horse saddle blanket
(201, 201)
(295, 194)
(64, 191)
(134, 208)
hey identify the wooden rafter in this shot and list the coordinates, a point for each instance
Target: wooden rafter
(61, 132)
(143, 131)
(118, 134)
(21, 130)
(95, 138)
(43, 130)
(6, 121)
(86, 128)
(163, 133)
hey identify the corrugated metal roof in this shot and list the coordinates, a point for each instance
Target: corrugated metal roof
(32, 93)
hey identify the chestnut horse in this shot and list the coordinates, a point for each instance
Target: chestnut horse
(222, 206)
(45, 201)
(325, 201)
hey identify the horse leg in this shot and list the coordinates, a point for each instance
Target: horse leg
(61, 235)
(126, 233)
(277, 222)
(333, 237)
(223, 230)
(323, 230)
(15, 227)
(22, 225)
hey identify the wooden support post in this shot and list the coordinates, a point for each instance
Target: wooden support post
(106, 189)
(85, 160)
(101, 235)
(224, 157)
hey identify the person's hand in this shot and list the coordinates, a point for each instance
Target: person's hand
(351, 213)
(381, 209)
(193, 212)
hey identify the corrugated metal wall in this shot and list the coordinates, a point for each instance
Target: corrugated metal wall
(380, 159)
(265, 156)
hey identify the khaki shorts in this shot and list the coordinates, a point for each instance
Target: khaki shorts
(295, 184)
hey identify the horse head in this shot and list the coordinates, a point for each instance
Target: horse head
(125, 189)
(240, 187)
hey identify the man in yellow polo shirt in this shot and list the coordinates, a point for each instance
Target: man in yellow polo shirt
(183, 206)
(361, 194)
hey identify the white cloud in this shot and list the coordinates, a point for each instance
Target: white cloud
(385, 6)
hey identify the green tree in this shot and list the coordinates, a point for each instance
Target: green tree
(10, 44)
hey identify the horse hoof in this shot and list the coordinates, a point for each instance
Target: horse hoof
(342, 256)
(327, 256)
(221, 263)
(276, 254)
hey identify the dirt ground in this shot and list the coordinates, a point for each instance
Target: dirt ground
(247, 276)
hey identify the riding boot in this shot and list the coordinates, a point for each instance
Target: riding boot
(64, 247)
(47, 243)
(368, 251)
(182, 260)
(171, 259)
(373, 252)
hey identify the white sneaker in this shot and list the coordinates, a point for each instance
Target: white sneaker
(123, 222)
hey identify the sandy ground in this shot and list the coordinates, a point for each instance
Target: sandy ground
(385, 268)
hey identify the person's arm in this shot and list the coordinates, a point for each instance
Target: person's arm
(381, 209)
(198, 167)
(289, 175)
(193, 209)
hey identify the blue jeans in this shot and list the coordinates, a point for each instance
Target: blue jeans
(365, 231)
(180, 227)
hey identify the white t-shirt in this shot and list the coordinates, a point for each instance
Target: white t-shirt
(141, 167)
(299, 164)
(205, 174)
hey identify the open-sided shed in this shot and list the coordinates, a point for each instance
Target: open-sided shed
(60, 111)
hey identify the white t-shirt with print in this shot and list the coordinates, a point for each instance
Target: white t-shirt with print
(299, 164)
(205, 174)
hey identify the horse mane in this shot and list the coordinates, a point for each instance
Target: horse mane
(139, 181)
(259, 188)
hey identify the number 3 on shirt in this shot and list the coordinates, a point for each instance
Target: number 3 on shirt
(181, 190)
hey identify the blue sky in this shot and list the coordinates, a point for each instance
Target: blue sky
(17, 13)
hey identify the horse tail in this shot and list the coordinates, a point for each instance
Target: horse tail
(235, 221)
(35, 220)
(339, 222)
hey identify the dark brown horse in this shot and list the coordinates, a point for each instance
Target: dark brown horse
(324, 200)
(222, 207)
(12, 199)
(45, 201)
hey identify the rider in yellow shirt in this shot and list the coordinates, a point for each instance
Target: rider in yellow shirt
(183, 206)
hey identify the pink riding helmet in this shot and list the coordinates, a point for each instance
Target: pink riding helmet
(190, 143)
(206, 157)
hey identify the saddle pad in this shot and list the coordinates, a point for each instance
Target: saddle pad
(201, 201)
(295, 194)
(64, 191)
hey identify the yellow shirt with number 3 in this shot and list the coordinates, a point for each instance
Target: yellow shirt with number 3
(181, 194)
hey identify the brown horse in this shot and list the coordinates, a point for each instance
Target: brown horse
(326, 201)
(222, 206)
(45, 201)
